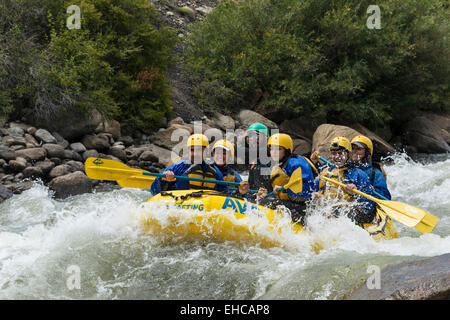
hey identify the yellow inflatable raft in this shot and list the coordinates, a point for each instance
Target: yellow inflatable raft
(242, 221)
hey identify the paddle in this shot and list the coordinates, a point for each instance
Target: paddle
(105, 169)
(296, 178)
(406, 214)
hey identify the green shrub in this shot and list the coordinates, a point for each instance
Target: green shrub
(114, 63)
(317, 57)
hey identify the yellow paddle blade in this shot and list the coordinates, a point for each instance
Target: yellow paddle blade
(104, 169)
(140, 182)
(407, 214)
(296, 184)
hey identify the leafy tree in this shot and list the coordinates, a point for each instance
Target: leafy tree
(318, 58)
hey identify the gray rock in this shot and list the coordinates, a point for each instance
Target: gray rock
(30, 140)
(89, 154)
(71, 124)
(56, 161)
(118, 153)
(5, 193)
(109, 126)
(14, 141)
(15, 131)
(17, 165)
(177, 120)
(69, 154)
(426, 279)
(22, 126)
(76, 156)
(46, 166)
(7, 153)
(134, 153)
(75, 165)
(172, 136)
(54, 150)
(148, 156)
(44, 136)
(127, 140)
(425, 135)
(96, 142)
(31, 130)
(71, 184)
(33, 173)
(78, 147)
(60, 170)
(223, 122)
(32, 154)
(247, 117)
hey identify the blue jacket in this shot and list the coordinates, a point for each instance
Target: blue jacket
(179, 168)
(378, 182)
(301, 167)
(362, 183)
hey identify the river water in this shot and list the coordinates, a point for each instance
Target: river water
(46, 245)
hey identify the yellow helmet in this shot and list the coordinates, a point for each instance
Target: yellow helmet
(282, 140)
(340, 142)
(364, 140)
(225, 145)
(197, 140)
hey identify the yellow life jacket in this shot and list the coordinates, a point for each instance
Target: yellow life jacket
(331, 190)
(279, 178)
(231, 177)
(197, 171)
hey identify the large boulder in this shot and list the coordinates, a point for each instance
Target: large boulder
(70, 125)
(427, 279)
(71, 184)
(425, 135)
(247, 117)
(32, 154)
(172, 136)
(325, 133)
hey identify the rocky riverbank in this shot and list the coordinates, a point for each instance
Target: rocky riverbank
(427, 279)
(28, 153)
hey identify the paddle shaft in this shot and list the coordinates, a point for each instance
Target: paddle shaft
(332, 165)
(195, 179)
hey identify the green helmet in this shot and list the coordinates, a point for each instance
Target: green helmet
(258, 127)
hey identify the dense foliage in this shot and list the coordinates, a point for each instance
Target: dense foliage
(318, 58)
(113, 63)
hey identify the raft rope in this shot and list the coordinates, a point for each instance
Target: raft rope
(182, 198)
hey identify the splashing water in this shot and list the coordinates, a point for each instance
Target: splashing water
(101, 235)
